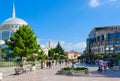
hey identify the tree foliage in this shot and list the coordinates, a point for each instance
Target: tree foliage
(23, 42)
(60, 51)
(51, 53)
(41, 54)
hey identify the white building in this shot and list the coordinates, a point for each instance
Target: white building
(10, 25)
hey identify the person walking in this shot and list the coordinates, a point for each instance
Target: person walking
(100, 65)
(105, 65)
(46, 63)
(49, 64)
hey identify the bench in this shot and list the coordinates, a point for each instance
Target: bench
(19, 70)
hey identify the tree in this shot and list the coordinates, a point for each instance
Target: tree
(100, 56)
(117, 58)
(60, 51)
(51, 53)
(23, 43)
(41, 56)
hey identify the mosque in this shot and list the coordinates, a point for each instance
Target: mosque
(10, 25)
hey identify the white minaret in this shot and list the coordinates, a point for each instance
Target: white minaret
(13, 11)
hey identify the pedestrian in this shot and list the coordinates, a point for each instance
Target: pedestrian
(66, 62)
(49, 64)
(46, 63)
(59, 62)
(100, 65)
(119, 64)
(105, 65)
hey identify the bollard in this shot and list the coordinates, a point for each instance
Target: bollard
(0, 76)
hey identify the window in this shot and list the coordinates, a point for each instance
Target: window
(111, 36)
(98, 38)
(110, 43)
(11, 33)
(118, 42)
(118, 35)
(102, 37)
(117, 48)
(105, 37)
(5, 35)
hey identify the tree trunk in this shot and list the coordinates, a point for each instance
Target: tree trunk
(42, 65)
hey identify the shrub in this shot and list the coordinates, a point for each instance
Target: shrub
(73, 68)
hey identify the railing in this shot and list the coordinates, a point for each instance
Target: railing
(11, 64)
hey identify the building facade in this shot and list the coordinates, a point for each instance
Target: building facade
(104, 40)
(10, 25)
(72, 55)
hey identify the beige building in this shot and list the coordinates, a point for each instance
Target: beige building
(72, 55)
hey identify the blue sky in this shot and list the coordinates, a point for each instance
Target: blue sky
(66, 21)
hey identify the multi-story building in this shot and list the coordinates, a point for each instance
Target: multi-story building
(72, 55)
(104, 40)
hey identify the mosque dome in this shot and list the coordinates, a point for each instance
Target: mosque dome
(10, 25)
(15, 21)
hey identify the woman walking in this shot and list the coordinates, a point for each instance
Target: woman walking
(105, 65)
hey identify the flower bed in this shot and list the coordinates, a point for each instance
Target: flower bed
(77, 71)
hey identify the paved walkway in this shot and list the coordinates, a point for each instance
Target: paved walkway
(50, 75)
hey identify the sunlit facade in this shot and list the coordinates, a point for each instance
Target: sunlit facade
(104, 40)
(10, 25)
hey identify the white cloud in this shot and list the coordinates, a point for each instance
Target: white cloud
(78, 47)
(42, 45)
(94, 3)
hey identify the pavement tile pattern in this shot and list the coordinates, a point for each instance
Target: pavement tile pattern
(50, 75)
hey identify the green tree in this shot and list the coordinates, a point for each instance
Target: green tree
(51, 53)
(23, 43)
(60, 51)
(41, 56)
(100, 56)
(117, 58)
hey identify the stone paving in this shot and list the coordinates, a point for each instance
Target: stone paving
(50, 75)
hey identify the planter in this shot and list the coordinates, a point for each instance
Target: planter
(64, 72)
(0, 76)
(79, 73)
(32, 68)
(74, 72)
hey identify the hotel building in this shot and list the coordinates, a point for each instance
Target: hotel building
(104, 40)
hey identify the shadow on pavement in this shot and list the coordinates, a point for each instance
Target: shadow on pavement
(108, 73)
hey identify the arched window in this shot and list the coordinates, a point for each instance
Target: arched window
(5, 35)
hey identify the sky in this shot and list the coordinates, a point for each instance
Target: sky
(66, 21)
